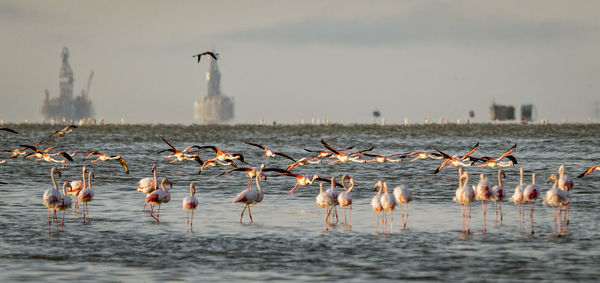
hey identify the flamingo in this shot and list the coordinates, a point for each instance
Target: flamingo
(382, 158)
(388, 204)
(65, 202)
(270, 153)
(345, 198)
(65, 130)
(517, 197)
(342, 157)
(556, 198)
(403, 196)
(45, 156)
(159, 197)
(324, 200)
(221, 155)
(483, 194)
(104, 157)
(303, 161)
(334, 193)
(455, 160)
(588, 171)
(76, 186)
(495, 162)
(209, 53)
(464, 196)
(180, 155)
(250, 197)
(215, 162)
(376, 203)
(530, 195)
(498, 194)
(86, 195)
(189, 204)
(254, 172)
(423, 155)
(566, 184)
(458, 196)
(324, 153)
(51, 198)
(302, 181)
(148, 185)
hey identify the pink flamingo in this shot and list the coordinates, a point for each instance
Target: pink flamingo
(345, 198)
(483, 194)
(86, 195)
(498, 194)
(51, 198)
(159, 197)
(530, 195)
(190, 203)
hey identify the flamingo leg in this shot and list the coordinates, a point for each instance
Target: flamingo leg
(192, 220)
(242, 215)
(293, 190)
(501, 215)
(406, 217)
(250, 214)
(483, 204)
(157, 213)
(62, 222)
(392, 224)
(531, 215)
(469, 224)
(345, 220)
(350, 223)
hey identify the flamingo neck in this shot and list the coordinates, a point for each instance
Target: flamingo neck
(499, 178)
(90, 180)
(155, 181)
(533, 179)
(64, 188)
(521, 173)
(162, 186)
(53, 180)
(258, 185)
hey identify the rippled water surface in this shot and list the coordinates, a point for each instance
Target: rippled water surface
(287, 240)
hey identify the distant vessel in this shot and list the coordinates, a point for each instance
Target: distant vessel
(215, 107)
(65, 107)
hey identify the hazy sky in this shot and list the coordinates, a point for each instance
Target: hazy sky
(293, 60)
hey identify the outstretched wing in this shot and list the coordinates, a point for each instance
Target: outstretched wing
(171, 145)
(8, 130)
(91, 153)
(284, 155)
(587, 172)
(331, 148)
(124, 164)
(257, 145)
(66, 155)
(508, 152)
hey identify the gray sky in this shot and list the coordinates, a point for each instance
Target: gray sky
(293, 60)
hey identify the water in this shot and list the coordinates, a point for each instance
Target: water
(287, 240)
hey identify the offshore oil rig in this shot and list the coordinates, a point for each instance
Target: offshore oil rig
(507, 112)
(66, 107)
(215, 107)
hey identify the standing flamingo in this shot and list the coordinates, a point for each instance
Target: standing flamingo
(565, 183)
(498, 194)
(334, 193)
(324, 200)
(530, 195)
(345, 198)
(148, 185)
(517, 197)
(159, 197)
(65, 202)
(51, 197)
(556, 198)
(403, 196)
(250, 197)
(76, 187)
(376, 203)
(388, 204)
(86, 195)
(465, 195)
(190, 203)
(483, 193)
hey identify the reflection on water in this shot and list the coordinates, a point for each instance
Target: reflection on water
(286, 240)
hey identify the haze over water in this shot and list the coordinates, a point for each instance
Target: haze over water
(287, 240)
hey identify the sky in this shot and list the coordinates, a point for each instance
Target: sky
(286, 61)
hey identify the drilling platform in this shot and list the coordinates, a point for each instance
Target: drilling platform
(66, 107)
(215, 107)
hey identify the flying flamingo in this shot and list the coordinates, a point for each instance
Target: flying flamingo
(65, 130)
(148, 185)
(250, 197)
(51, 197)
(190, 203)
(104, 157)
(254, 172)
(423, 155)
(483, 194)
(530, 195)
(517, 197)
(86, 195)
(388, 204)
(495, 162)
(342, 157)
(345, 198)
(455, 160)
(589, 170)
(302, 181)
(65, 202)
(159, 197)
(376, 203)
(324, 200)
(403, 196)
(303, 161)
(270, 153)
(498, 194)
(209, 53)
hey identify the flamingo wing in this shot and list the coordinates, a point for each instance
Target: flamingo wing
(8, 130)
(124, 164)
(171, 145)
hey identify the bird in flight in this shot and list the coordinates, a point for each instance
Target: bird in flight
(211, 54)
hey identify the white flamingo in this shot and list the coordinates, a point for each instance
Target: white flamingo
(498, 194)
(517, 197)
(483, 194)
(76, 186)
(345, 198)
(376, 203)
(86, 195)
(324, 200)
(148, 185)
(334, 193)
(403, 196)
(159, 197)
(388, 204)
(465, 195)
(530, 195)
(249, 196)
(565, 183)
(65, 202)
(51, 197)
(189, 204)
(556, 198)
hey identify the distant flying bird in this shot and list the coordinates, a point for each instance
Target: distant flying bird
(65, 130)
(104, 157)
(199, 55)
(270, 153)
(8, 130)
(589, 170)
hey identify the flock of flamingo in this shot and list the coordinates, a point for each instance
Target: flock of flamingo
(383, 203)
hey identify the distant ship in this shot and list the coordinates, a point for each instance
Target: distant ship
(215, 107)
(66, 107)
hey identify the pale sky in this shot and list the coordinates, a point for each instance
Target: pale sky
(293, 60)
